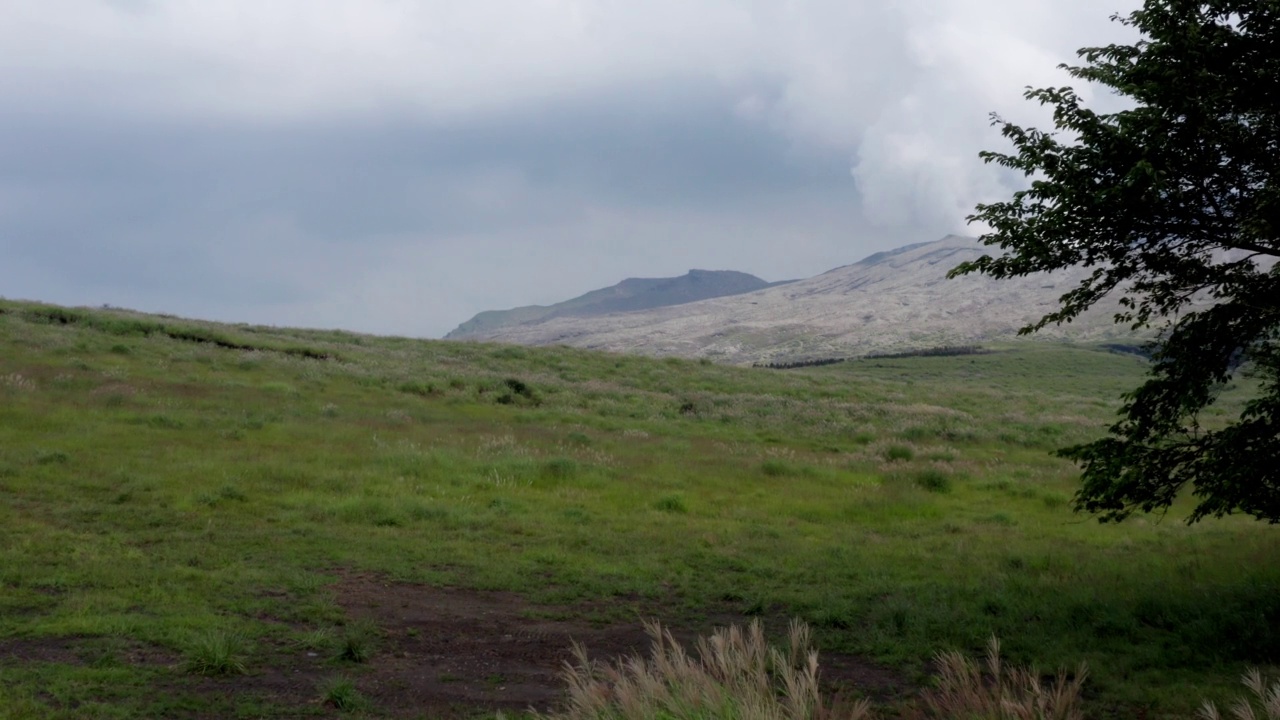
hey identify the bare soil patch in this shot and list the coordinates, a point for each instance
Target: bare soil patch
(453, 652)
(440, 652)
(80, 650)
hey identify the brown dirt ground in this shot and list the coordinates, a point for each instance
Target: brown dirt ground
(443, 653)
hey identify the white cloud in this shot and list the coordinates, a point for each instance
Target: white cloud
(826, 66)
(918, 160)
(292, 59)
(387, 238)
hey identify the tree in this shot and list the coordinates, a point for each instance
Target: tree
(1175, 205)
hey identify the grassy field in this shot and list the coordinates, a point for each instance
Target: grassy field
(169, 484)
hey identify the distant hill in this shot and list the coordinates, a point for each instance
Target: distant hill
(892, 301)
(627, 296)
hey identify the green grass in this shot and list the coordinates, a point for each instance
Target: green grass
(216, 652)
(341, 694)
(358, 642)
(167, 480)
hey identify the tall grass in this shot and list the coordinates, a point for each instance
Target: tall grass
(966, 690)
(1263, 703)
(217, 652)
(735, 674)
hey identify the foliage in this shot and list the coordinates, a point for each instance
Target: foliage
(1174, 203)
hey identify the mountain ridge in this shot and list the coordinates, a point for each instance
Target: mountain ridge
(891, 301)
(628, 295)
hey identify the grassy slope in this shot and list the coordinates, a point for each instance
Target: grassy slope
(155, 489)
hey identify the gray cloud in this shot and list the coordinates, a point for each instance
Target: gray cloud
(397, 167)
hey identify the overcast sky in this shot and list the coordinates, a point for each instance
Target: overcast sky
(395, 166)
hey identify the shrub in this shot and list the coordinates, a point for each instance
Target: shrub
(519, 387)
(518, 393)
(421, 389)
(559, 469)
(934, 480)
(778, 468)
(898, 452)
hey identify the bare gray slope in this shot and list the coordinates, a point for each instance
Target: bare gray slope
(891, 301)
(628, 295)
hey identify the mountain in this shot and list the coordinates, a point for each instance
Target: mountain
(629, 295)
(888, 302)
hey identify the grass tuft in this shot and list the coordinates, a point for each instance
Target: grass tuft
(216, 652)
(358, 642)
(671, 504)
(341, 693)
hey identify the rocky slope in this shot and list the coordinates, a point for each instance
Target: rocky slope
(891, 301)
(629, 295)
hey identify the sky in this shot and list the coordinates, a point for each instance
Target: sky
(396, 166)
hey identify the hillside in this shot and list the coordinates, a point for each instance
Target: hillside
(890, 301)
(629, 295)
(204, 520)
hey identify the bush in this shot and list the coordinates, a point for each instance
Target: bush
(934, 480)
(559, 469)
(421, 389)
(898, 452)
(778, 468)
(518, 393)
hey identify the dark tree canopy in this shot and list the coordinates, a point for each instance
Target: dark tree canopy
(1175, 204)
